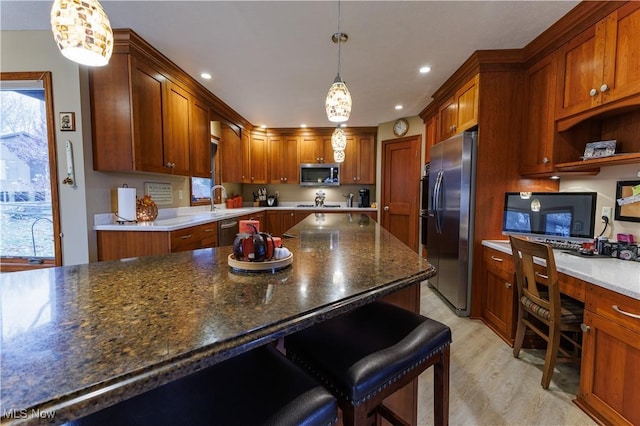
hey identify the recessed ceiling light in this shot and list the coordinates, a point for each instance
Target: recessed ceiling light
(263, 126)
(206, 75)
(425, 70)
(303, 125)
(398, 107)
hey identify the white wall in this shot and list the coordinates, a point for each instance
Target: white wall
(605, 185)
(36, 51)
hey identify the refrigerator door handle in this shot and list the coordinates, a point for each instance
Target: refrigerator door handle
(437, 200)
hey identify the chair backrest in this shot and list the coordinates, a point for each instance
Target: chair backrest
(524, 252)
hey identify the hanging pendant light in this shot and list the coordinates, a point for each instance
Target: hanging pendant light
(82, 31)
(339, 139)
(338, 156)
(338, 102)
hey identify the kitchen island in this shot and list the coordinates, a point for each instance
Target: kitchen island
(80, 338)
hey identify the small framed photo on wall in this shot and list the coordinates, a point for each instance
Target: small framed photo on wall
(68, 121)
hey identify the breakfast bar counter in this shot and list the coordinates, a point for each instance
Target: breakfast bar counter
(76, 339)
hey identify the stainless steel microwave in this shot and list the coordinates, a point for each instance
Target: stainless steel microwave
(319, 174)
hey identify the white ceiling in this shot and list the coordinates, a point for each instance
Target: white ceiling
(273, 61)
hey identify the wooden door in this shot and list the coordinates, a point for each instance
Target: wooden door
(200, 141)
(176, 141)
(401, 188)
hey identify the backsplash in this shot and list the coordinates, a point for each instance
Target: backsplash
(605, 185)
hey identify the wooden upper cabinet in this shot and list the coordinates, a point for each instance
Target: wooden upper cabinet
(126, 116)
(536, 155)
(359, 166)
(601, 65)
(200, 139)
(176, 119)
(255, 159)
(460, 112)
(283, 159)
(312, 150)
(231, 154)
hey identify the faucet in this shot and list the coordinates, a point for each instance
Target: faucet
(213, 189)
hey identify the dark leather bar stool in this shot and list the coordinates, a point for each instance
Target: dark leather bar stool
(260, 387)
(366, 355)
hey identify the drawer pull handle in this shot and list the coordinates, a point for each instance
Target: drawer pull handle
(497, 259)
(617, 309)
(208, 230)
(185, 237)
(542, 276)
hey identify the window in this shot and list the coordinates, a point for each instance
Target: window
(29, 217)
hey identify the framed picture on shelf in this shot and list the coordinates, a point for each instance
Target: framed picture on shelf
(599, 149)
(628, 201)
(68, 121)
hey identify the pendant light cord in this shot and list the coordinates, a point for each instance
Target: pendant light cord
(339, 39)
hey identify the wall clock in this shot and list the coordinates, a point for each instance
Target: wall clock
(400, 127)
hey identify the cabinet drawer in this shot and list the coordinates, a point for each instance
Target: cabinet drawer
(621, 309)
(185, 239)
(499, 263)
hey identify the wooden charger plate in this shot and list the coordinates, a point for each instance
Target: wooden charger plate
(266, 266)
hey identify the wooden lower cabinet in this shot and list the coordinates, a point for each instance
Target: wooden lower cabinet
(610, 372)
(113, 245)
(499, 304)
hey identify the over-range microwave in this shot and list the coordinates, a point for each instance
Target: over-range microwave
(319, 174)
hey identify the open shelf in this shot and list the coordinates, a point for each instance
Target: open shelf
(614, 160)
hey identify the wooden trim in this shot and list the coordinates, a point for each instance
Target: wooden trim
(47, 81)
(317, 131)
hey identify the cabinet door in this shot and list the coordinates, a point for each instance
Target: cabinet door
(246, 156)
(275, 165)
(500, 294)
(536, 155)
(258, 158)
(621, 72)
(230, 151)
(448, 117)
(176, 141)
(609, 374)
(311, 150)
(367, 160)
(200, 139)
(349, 168)
(289, 160)
(430, 138)
(287, 220)
(580, 72)
(467, 106)
(148, 133)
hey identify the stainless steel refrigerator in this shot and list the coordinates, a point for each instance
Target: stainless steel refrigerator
(450, 219)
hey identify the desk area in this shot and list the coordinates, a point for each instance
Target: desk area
(103, 332)
(610, 290)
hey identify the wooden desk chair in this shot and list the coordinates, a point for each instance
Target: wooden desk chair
(560, 315)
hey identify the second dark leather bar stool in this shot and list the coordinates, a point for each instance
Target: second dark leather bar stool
(260, 387)
(364, 356)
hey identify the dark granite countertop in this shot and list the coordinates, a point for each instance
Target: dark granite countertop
(79, 338)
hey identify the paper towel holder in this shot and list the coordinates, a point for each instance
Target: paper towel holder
(117, 207)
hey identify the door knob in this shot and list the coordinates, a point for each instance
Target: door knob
(386, 208)
(604, 88)
(593, 92)
(585, 328)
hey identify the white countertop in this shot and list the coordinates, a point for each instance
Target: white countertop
(621, 276)
(183, 217)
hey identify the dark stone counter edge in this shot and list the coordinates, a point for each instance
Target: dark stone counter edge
(101, 396)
